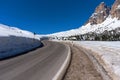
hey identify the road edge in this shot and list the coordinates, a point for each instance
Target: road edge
(64, 66)
(99, 67)
(98, 63)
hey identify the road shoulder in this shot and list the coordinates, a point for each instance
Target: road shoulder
(81, 67)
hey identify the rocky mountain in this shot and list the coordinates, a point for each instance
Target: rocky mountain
(100, 14)
(104, 22)
(115, 11)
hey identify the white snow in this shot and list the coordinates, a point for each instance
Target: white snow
(118, 7)
(101, 11)
(94, 15)
(109, 52)
(8, 31)
(108, 24)
(66, 33)
(14, 41)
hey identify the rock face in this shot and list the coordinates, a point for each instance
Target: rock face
(115, 11)
(100, 14)
(103, 11)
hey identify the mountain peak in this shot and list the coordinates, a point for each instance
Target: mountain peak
(115, 11)
(104, 21)
(102, 6)
(100, 14)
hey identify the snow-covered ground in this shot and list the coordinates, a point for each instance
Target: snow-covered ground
(107, 53)
(14, 41)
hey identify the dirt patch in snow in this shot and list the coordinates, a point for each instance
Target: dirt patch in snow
(81, 67)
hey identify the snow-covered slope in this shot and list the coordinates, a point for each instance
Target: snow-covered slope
(108, 24)
(65, 33)
(102, 19)
(14, 41)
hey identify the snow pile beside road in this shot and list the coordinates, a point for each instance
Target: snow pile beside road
(14, 41)
(107, 54)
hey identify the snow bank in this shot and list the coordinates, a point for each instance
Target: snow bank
(107, 53)
(14, 41)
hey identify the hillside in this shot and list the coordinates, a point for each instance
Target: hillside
(103, 20)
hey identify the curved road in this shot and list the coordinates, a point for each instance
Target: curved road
(40, 64)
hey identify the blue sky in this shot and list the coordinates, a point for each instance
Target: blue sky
(47, 16)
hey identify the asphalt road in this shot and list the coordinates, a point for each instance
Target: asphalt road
(40, 64)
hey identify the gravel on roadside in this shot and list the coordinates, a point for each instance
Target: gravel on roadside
(81, 67)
